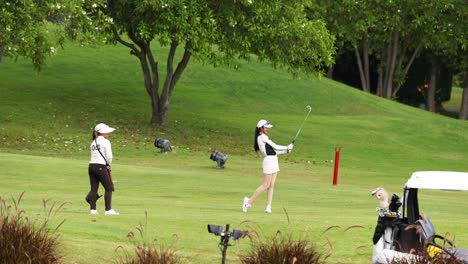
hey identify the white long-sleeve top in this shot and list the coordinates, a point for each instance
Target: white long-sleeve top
(106, 149)
(263, 140)
(270, 150)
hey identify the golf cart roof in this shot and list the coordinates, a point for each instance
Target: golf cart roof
(440, 180)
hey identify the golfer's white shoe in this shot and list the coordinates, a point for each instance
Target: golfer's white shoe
(246, 205)
(268, 209)
(93, 212)
(111, 212)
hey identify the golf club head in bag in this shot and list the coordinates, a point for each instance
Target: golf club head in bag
(395, 203)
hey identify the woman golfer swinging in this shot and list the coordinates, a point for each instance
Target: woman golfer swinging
(270, 163)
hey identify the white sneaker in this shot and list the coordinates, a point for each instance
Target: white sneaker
(111, 212)
(268, 209)
(93, 212)
(246, 205)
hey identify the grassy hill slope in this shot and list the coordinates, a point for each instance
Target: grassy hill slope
(46, 121)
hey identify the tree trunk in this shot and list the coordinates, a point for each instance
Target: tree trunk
(330, 72)
(380, 82)
(149, 66)
(386, 69)
(363, 67)
(392, 52)
(464, 104)
(408, 65)
(160, 116)
(430, 101)
(151, 80)
(365, 54)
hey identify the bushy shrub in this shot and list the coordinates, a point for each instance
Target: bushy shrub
(148, 252)
(150, 255)
(26, 241)
(283, 250)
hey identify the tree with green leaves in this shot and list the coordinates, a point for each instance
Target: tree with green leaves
(212, 31)
(464, 103)
(394, 32)
(444, 41)
(352, 22)
(394, 35)
(26, 27)
(454, 45)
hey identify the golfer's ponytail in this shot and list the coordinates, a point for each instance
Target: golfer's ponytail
(257, 133)
(94, 135)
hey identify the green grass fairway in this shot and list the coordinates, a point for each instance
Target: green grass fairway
(181, 198)
(46, 121)
(455, 100)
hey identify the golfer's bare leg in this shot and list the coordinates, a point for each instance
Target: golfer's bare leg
(271, 189)
(266, 183)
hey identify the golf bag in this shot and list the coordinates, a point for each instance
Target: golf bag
(391, 239)
(405, 237)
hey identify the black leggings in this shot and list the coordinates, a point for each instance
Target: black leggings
(98, 173)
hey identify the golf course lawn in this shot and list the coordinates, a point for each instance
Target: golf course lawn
(46, 120)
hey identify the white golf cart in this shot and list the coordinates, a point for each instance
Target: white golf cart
(401, 237)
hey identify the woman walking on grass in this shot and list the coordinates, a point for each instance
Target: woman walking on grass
(99, 168)
(270, 163)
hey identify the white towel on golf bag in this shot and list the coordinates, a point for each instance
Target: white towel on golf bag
(384, 253)
(387, 255)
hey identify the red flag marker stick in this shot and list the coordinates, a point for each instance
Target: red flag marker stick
(337, 163)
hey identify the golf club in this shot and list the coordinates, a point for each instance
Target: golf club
(309, 108)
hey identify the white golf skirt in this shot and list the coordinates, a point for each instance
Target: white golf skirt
(270, 164)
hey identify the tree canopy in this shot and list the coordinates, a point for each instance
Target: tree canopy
(213, 31)
(26, 29)
(394, 34)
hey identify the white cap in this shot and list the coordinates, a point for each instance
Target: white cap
(264, 123)
(102, 128)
